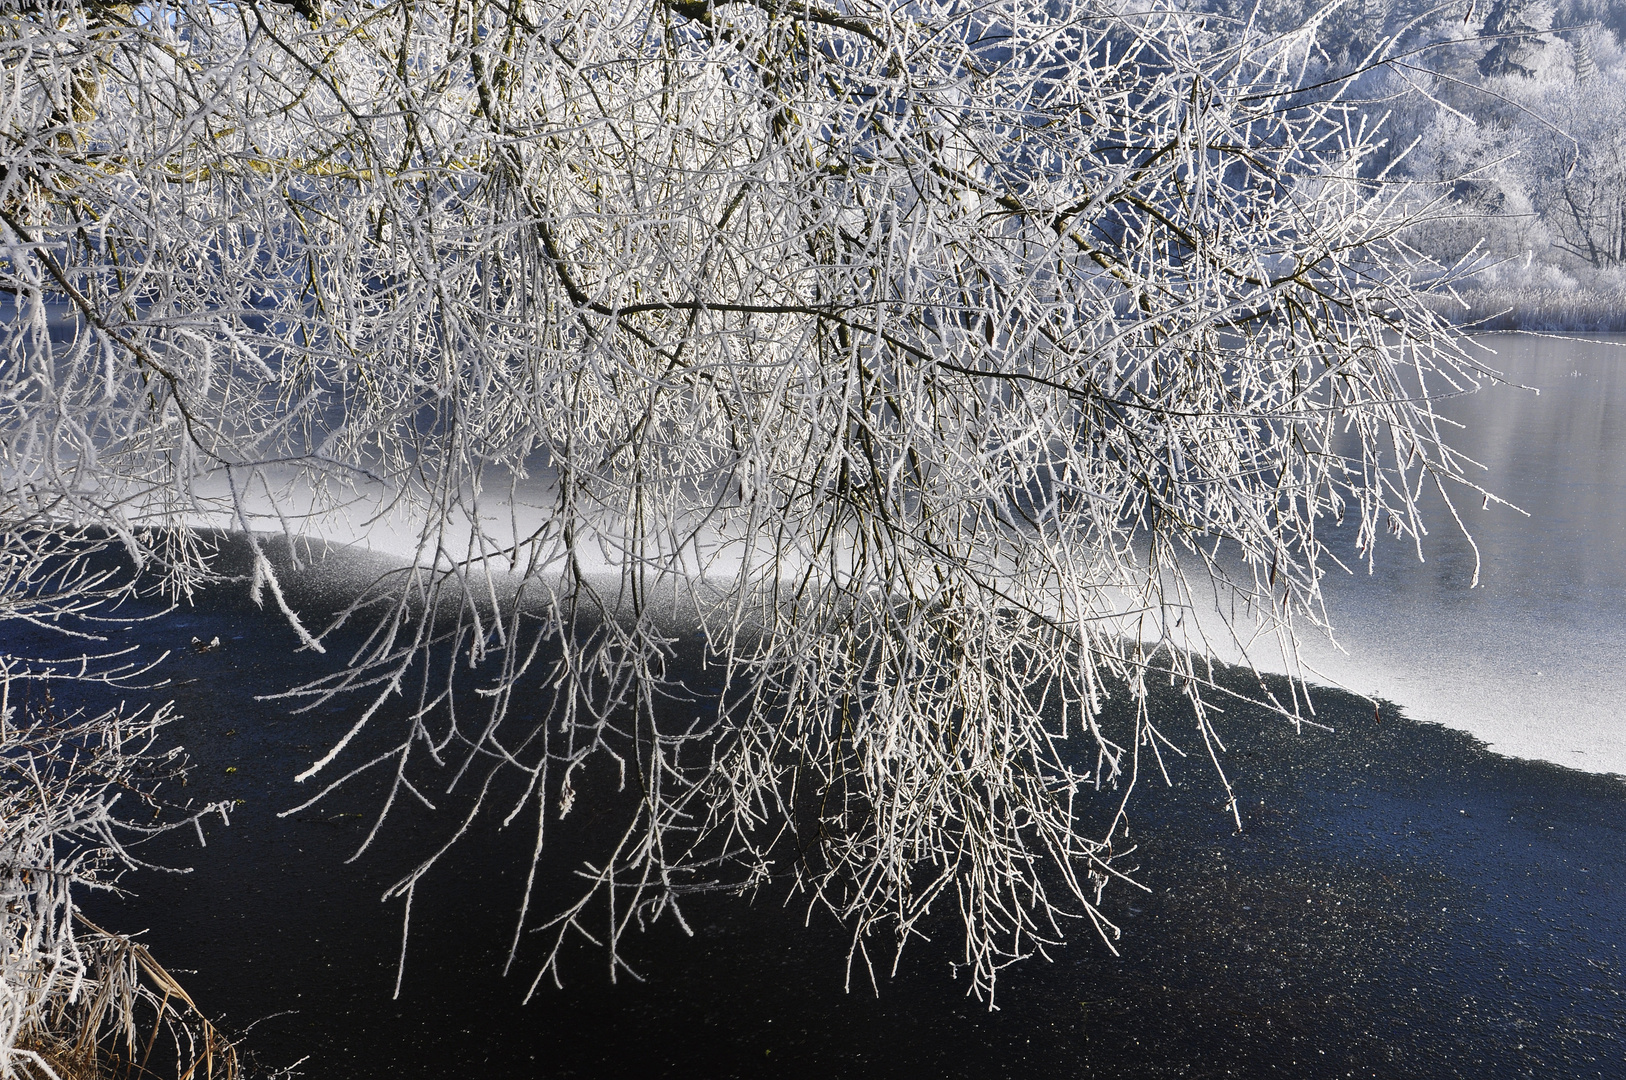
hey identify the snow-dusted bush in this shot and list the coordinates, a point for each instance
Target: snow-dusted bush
(75, 789)
(935, 361)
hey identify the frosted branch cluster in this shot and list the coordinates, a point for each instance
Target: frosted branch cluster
(928, 362)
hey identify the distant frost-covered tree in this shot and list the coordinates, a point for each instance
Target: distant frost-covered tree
(1585, 202)
(933, 360)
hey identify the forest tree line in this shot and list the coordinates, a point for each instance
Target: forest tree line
(1513, 114)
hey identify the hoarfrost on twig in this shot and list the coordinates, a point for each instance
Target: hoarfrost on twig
(935, 365)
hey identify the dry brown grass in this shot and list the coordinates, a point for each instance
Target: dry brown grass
(130, 1020)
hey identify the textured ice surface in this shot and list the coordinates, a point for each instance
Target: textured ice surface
(1533, 661)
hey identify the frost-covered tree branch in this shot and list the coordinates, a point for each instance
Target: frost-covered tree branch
(932, 361)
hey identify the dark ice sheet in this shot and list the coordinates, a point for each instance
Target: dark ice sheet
(1401, 903)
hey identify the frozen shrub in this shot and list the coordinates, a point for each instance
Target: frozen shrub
(76, 999)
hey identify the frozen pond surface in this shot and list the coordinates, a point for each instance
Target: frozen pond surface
(1534, 660)
(1399, 904)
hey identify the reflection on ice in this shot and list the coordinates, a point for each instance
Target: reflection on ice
(1533, 661)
